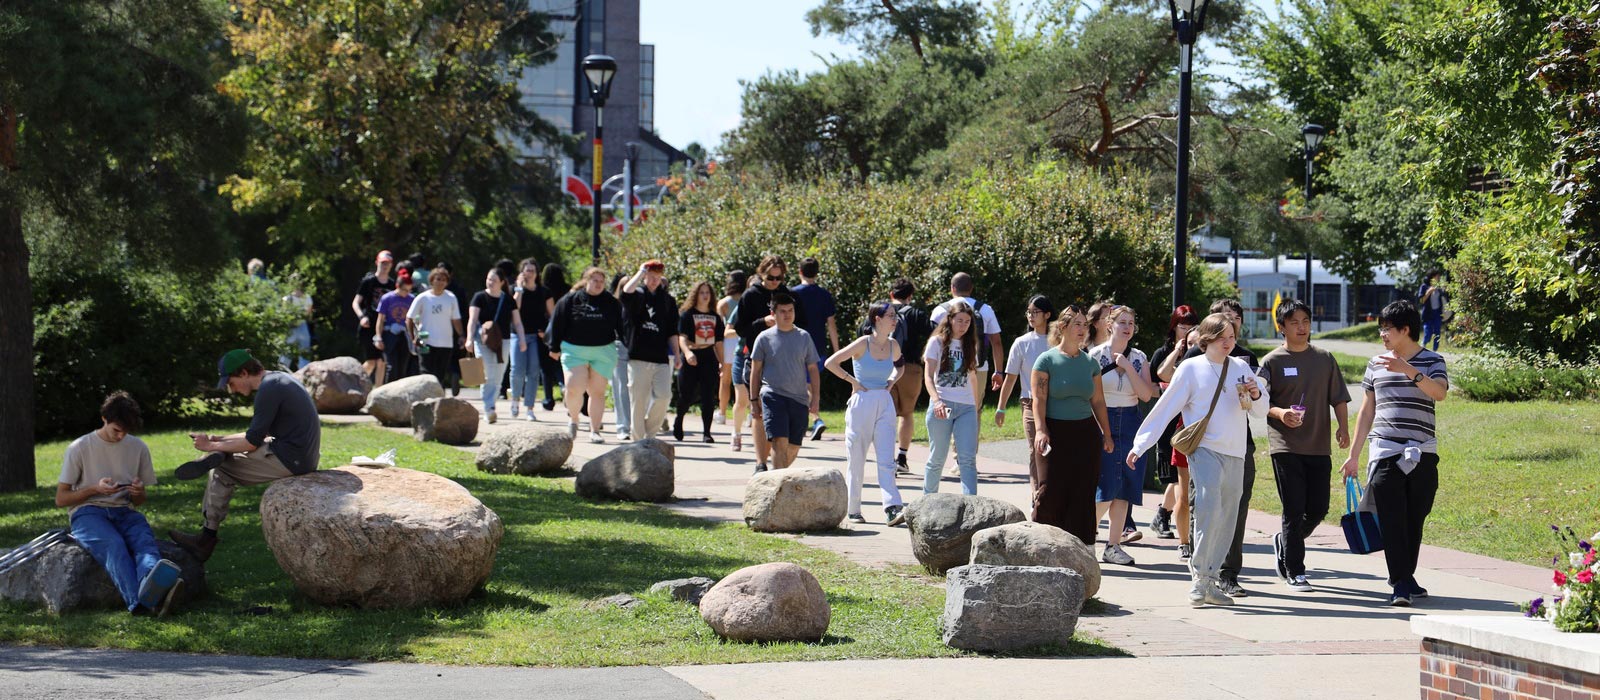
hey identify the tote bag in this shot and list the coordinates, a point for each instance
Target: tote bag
(471, 371)
(1360, 526)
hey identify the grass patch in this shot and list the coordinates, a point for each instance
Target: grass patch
(559, 555)
(1363, 332)
(1506, 473)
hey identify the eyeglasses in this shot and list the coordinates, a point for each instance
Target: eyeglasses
(1031, 312)
(770, 278)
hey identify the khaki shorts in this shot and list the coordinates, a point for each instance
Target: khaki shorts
(907, 389)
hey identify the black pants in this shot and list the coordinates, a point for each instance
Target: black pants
(1064, 497)
(551, 368)
(699, 380)
(1235, 559)
(397, 356)
(1403, 502)
(1303, 490)
(439, 362)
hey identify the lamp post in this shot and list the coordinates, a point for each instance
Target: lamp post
(1313, 134)
(1188, 18)
(598, 70)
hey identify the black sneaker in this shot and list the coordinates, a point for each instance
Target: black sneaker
(1399, 599)
(760, 468)
(1277, 555)
(677, 429)
(707, 439)
(1418, 591)
(900, 466)
(892, 516)
(856, 518)
(199, 467)
(1230, 587)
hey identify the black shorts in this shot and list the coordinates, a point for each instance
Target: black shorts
(367, 351)
(783, 417)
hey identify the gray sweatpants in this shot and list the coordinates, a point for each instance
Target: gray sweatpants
(1217, 481)
(650, 393)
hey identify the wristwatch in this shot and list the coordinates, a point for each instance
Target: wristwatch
(1417, 379)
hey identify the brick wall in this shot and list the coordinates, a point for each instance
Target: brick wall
(1455, 672)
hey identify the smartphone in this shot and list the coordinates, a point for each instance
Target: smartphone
(1046, 451)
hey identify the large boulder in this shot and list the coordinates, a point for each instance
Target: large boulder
(778, 602)
(795, 500)
(1009, 608)
(337, 385)
(65, 577)
(447, 420)
(1036, 544)
(942, 526)
(379, 538)
(524, 450)
(391, 403)
(637, 471)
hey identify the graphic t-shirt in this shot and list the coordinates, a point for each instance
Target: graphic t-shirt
(393, 308)
(703, 329)
(91, 458)
(951, 381)
(649, 323)
(433, 314)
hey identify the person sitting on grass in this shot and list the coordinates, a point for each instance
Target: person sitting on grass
(104, 476)
(284, 439)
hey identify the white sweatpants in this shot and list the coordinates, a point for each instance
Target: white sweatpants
(870, 424)
(650, 392)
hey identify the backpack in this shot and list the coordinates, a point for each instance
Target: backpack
(911, 331)
(977, 326)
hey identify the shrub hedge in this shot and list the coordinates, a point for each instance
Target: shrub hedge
(1493, 375)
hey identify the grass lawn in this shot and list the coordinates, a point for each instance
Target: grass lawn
(1507, 471)
(560, 554)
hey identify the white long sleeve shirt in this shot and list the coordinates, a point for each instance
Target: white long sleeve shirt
(1193, 384)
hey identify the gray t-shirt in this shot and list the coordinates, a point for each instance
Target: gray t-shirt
(785, 356)
(285, 412)
(90, 458)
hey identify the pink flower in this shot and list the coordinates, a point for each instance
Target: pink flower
(1588, 558)
(1586, 576)
(1560, 578)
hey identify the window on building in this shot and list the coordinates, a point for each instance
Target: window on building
(647, 87)
(1326, 303)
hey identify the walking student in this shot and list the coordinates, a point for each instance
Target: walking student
(621, 395)
(727, 393)
(1403, 387)
(1125, 374)
(527, 368)
(700, 331)
(1303, 382)
(433, 321)
(951, 377)
(1069, 422)
(1172, 515)
(1220, 392)
(105, 476)
(915, 328)
(284, 439)
(392, 338)
(553, 279)
(492, 324)
(869, 420)
(1430, 297)
(1234, 562)
(783, 362)
(752, 318)
(365, 303)
(1019, 363)
(820, 322)
(651, 329)
(582, 336)
(987, 330)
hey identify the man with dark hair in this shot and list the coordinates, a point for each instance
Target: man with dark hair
(783, 363)
(1228, 580)
(284, 440)
(1403, 386)
(104, 475)
(914, 327)
(1303, 382)
(1431, 298)
(749, 322)
(820, 323)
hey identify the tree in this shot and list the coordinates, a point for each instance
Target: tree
(878, 24)
(109, 125)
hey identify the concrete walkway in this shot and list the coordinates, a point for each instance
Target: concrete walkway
(1337, 642)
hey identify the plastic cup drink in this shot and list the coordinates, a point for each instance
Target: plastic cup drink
(1244, 396)
(1299, 411)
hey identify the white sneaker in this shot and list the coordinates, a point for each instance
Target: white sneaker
(572, 430)
(1300, 584)
(532, 418)
(1214, 595)
(721, 418)
(622, 436)
(492, 418)
(1197, 594)
(596, 438)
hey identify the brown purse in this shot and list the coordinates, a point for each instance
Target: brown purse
(1187, 439)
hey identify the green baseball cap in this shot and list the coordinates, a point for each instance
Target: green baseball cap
(230, 363)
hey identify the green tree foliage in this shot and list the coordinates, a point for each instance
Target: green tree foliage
(919, 24)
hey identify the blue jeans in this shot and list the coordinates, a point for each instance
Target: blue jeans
(619, 391)
(121, 540)
(493, 369)
(1432, 328)
(1117, 481)
(299, 337)
(526, 373)
(963, 423)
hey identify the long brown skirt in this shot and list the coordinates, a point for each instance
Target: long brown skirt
(1065, 497)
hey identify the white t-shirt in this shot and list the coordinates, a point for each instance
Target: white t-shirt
(991, 324)
(951, 382)
(299, 301)
(1118, 387)
(1024, 350)
(434, 313)
(90, 458)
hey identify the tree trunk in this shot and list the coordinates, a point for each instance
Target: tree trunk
(16, 329)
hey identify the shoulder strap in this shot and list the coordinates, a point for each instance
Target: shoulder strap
(1221, 379)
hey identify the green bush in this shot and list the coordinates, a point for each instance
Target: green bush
(1489, 375)
(155, 335)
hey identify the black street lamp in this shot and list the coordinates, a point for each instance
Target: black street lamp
(598, 70)
(1313, 134)
(1188, 18)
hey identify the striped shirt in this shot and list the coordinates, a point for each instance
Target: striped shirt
(1404, 414)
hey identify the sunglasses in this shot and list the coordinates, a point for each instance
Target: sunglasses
(771, 278)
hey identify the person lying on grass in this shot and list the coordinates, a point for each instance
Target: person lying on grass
(103, 478)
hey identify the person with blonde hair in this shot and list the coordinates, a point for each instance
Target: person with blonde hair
(1217, 394)
(1126, 375)
(700, 331)
(1069, 422)
(582, 336)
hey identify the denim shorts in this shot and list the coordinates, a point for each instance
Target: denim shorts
(784, 417)
(741, 368)
(602, 359)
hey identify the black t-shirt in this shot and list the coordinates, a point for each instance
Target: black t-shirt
(590, 321)
(649, 323)
(487, 307)
(532, 310)
(703, 329)
(371, 290)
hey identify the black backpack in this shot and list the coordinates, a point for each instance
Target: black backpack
(977, 327)
(911, 331)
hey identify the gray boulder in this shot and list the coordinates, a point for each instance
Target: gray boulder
(524, 450)
(942, 526)
(447, 420)
(637, 471)
(795, 500)
(688, 590)
(1009, 608)
(337, 385)
(66, 577)
(391, 403)
(777, 602)
(1036, 544)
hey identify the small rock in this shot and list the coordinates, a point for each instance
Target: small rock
(447, 420)
(795, 500)
(524, 450)
(777, 602)
(942, 526)
(65, 577)
(391, 403)
(687, 590)
(1037, 544)
(621, 600)
(1009, 608)
(637, 471)
(336, 385)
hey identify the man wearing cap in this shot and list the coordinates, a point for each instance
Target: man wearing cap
(376, 284)
(284, 439)
(650, 328)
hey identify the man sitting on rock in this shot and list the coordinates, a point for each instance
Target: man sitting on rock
(103, 477)
(284, 439)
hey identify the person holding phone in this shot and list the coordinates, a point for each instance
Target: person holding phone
(1070, 421)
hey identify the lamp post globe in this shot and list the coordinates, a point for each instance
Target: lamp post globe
(1188, 18)
(598, 70)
